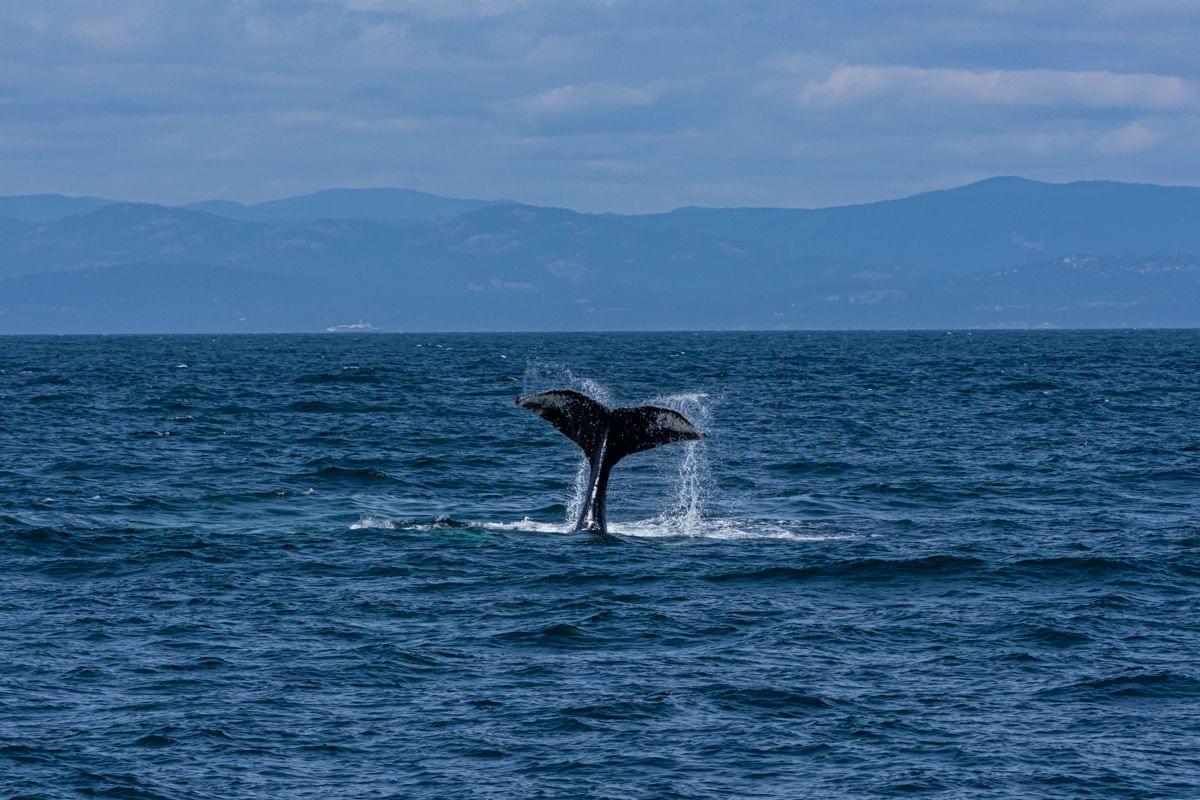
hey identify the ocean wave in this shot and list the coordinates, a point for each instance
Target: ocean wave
(51, 398)
(1031, 385)
(878, 569)
(346, 375)
(1067, 566)
(1053, 636)
(49, 380)
(779, 702)
(350, 474)
(38, 540)
(1128, 685)
(339, 407)
(811, 468)
(555, 635)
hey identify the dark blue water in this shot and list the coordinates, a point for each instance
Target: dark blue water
(903, 564)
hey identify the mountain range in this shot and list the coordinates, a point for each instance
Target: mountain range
(1003, 252)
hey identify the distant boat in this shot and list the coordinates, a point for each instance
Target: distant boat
(354, 327)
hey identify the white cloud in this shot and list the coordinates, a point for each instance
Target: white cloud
(575, 97)
(854, 84)
(480, 9)
(641, 106)
(108, 30)
(1132, 138)
(1141, 8)
(511, 286)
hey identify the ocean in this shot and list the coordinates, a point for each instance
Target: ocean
(920, 564)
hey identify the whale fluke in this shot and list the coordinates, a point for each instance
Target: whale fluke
(606, 436)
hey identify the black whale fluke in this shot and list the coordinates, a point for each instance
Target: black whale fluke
(606, 436)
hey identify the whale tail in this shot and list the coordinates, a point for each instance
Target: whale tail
(606, 436)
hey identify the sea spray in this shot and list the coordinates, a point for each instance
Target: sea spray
(694, 482)
(578, 492)
(541, 376)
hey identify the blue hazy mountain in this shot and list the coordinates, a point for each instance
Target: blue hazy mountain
(374, 204)
(1004, 252)
(47, 207)
(993, 223)
(125, 233)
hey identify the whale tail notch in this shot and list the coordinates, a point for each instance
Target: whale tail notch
(606, 436)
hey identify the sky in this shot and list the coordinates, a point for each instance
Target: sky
(598, 106)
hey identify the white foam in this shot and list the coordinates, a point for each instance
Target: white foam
(367, 522)
(668, 528)
(526, 525)
(694, 527)
(661, 527)
(373, 523)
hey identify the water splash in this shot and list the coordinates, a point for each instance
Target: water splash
(578, 493)
(694, 482)
(367, 522)
(541, 376)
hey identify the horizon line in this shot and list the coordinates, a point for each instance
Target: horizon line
(626, 331)
(185, 206)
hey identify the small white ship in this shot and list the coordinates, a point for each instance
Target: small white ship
(354, 327)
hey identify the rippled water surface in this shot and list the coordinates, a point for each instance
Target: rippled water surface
(919, 564)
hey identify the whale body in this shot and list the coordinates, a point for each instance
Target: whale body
(606, 436)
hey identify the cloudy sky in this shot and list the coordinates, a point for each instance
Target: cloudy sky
(606, 105)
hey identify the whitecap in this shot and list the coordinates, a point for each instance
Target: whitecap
(667, 527)
(525, 525)
(373, 523)
(690, 527)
